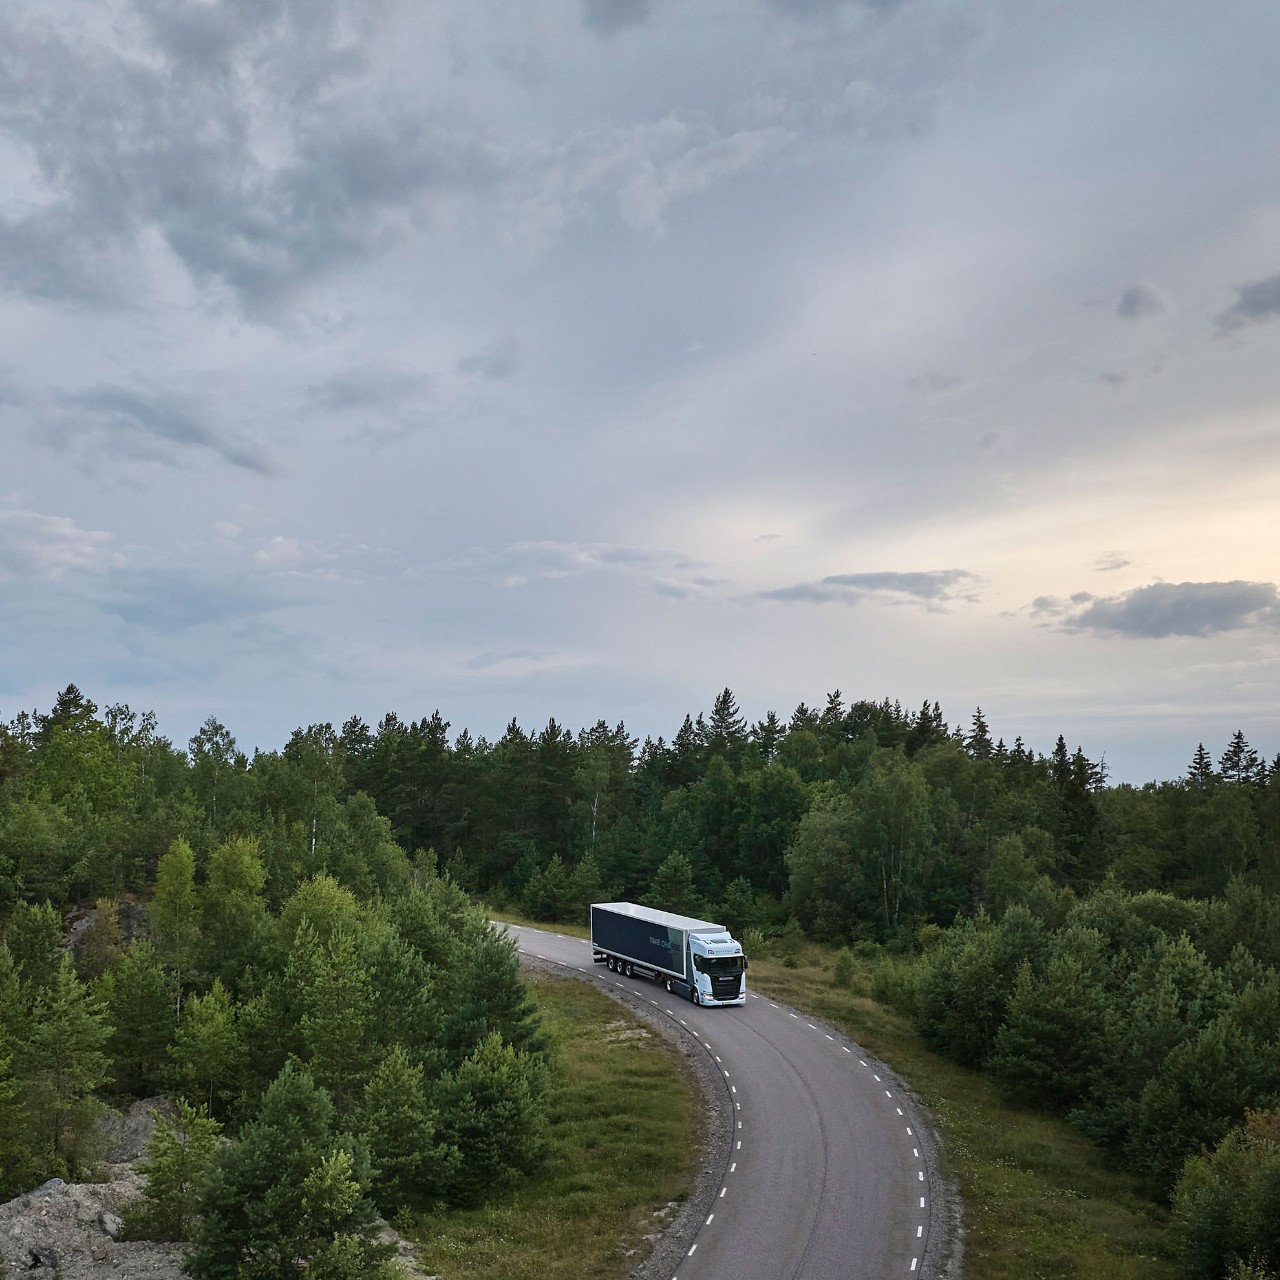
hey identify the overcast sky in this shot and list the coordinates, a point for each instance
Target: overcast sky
(578, 358)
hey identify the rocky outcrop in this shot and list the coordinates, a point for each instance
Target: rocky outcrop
(72, 1229)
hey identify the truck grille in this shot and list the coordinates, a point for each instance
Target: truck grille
(725, 988)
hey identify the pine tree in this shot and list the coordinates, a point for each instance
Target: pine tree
(287, 1200)
(34, 936)
(726, 733)
(102, 942)
(178, 1157)
(60, 1065)
(487, 995)
(1049, 1045)
(672, 888)
(493, 1112)
(400, 1124)
(236, 925)
(740, 910)
(767, 734)
(335, 1028)
(18, 1168)
(140, 1000)
(13, 1000)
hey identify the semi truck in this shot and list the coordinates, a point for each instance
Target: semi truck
(693, 958)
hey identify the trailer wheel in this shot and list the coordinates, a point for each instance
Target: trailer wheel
(631, 970)
(613, 964)
(666, 985)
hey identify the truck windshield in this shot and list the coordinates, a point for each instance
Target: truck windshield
(718, 964)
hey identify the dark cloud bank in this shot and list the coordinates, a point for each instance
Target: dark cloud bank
(1139, 301)
(1168, 609)
(1254, 303)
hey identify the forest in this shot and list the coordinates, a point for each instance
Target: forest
(1108, 952)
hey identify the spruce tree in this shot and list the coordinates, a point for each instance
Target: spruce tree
(1200, 772)
(1240, 762)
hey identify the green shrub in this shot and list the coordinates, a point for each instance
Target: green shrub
(1227, 1203)
(897, 980)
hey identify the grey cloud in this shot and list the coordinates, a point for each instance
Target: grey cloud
(168, 603)
(1254, 303)
(820, 8)
(170, 137)
(934, 588)
(609, 17)
(1047, 607)
(494, 365)
(1178, 609)
(933, 382)
(126, 418)
(1114, 378)
(371, 386)
(1139, 301)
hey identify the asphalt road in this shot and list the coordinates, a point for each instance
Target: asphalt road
(828, 1178)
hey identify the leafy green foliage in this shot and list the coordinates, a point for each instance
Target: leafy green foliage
(140, 1000)
(1227, 1201)
(1106, 951)
(60, 1065)
(178, 1158)
(208, 1050)
(396, 1116)
(492, 1114)
(287, 1195)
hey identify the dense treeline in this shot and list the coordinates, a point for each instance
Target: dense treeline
(1107, 951)
(350, 1015)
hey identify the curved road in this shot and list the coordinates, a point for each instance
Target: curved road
(827, 1177)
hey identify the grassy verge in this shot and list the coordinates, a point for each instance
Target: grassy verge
(623, 1135)
(1039, 1201)
(510, 916)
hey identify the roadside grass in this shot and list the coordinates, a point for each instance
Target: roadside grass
(508, 915)
(624, 1143)
(1040, 1202)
